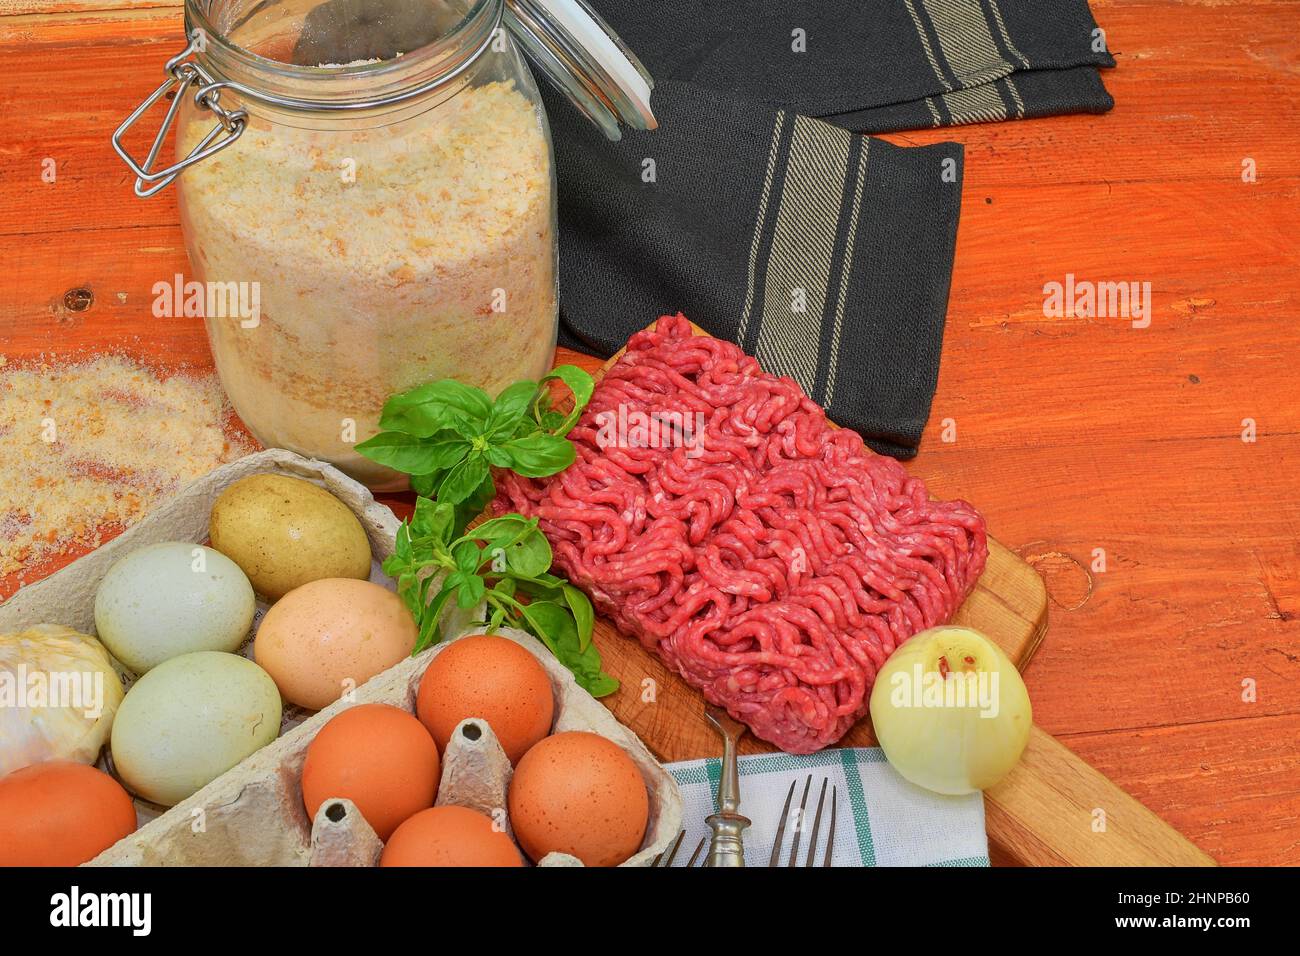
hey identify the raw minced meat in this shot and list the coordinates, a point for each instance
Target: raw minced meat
(773, 561)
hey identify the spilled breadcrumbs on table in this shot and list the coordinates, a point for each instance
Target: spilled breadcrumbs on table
(89, 447)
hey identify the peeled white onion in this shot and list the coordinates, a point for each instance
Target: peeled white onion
(951, 711)
(58, 695)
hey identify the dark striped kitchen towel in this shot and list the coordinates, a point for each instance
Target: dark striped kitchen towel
(758, 210)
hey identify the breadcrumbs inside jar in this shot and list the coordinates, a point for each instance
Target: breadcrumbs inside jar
(381, 255)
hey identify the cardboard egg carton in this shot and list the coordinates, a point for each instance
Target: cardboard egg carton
(253, 815)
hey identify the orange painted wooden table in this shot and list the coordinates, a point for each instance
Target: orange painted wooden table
(1087, 443)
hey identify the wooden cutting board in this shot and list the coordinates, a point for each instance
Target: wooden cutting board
(1053, 809)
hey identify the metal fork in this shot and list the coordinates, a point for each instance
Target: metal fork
(727, 847)
(666, 858)
(798, 829)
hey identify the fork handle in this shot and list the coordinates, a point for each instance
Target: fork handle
(729, 779)
(727, 848)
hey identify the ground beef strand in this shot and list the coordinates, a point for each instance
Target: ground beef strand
(775, 562)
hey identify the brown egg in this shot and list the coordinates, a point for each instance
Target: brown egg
(332, 635)
(61, 814)
(490, 677)
(450, 836)
(379, 757)
(581, 794)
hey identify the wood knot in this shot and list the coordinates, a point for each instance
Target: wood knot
(79, 299)
(1193, 304)
(1069, 583)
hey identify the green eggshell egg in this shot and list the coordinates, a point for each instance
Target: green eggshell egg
(170, 599)
(191, 719)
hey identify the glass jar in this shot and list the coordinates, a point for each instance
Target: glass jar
(368, 202)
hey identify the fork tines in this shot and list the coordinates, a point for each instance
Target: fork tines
(666, 858)
(775, 859)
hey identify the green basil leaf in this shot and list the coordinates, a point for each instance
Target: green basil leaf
(559, 623)
(429, 519)
(551, 624)
(530, 555)
(556, 628)
(426, 485)
(429, 632)
(601, 685)
(427, 409)
(473, 506)
(394, 565)
(402, 545)
(501, 532)
(538, 455)
(433, 519)
(470, 592)
(590, 675)
(419, 421)
(445, 450)
(552, 421)
(421, 521)
(422, 420)
(408, 454)
(533, 587)
(497, 456)
(580, 383)
(509, 409)
(502, 525)
(463, 480)
(468, 556)
(498, 560)
(408, 589)
(484, 494)
(583, 615)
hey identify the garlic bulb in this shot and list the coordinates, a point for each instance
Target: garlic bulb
(58, 695)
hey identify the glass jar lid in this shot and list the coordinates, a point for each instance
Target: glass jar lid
(585, 59)
(568, 41)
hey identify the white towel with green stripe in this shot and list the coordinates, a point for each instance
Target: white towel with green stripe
(881, 819)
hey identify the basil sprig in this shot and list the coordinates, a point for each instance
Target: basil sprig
(448, 436)
(504, 564)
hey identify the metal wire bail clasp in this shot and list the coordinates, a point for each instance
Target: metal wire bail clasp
(182, 73)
